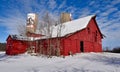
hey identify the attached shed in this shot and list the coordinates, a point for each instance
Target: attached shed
(15, 46)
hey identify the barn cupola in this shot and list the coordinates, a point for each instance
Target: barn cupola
(32, 21)
(65, 17)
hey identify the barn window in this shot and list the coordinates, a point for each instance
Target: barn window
(96, 36)
(88, 30)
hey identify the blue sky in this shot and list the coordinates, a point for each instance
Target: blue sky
(13, 14)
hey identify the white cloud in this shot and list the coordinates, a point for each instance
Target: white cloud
(91, 3)
(12, 23)
(114, 2)
(108, 11)
(52, 4)
(63, 4)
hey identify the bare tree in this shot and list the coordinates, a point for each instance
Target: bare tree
(47, 24)
(58, 38)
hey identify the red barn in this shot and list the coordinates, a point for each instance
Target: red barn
(80, 35)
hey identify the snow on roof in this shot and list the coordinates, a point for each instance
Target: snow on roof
(25, 38)
(71, 26)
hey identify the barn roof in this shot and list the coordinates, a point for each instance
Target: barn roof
(69, 27)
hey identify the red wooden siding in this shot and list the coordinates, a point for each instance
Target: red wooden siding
(15, 46)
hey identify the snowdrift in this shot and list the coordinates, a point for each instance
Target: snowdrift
(82, 62)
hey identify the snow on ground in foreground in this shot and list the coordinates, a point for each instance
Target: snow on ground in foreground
(82, 62)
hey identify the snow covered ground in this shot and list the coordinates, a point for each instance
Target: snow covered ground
(82, 62)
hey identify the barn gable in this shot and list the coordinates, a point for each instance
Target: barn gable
(93, 22)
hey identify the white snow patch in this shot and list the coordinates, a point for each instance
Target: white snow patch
(82, 62)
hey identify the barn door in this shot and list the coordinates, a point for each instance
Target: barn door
(81, 46)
